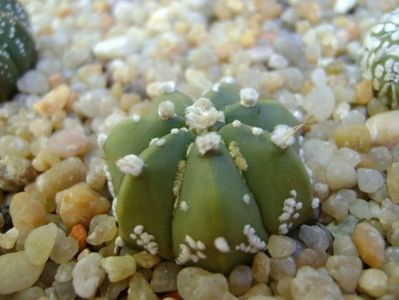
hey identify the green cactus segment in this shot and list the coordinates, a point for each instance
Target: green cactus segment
(14, 8)
(210, 232)
(380, 58)
(276, 177)
(145, 202)
(223, 94)
(17, 49)
(266, 114)
(132, 137)
(179, 100)
(17, 41)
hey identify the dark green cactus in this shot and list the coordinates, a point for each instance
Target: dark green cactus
(380, 59)
(209, 194)
(18, 52)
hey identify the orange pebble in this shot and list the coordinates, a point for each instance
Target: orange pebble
(79, 233)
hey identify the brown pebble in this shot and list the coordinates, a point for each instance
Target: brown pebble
(79, 233)
(364, 92)
(370, 244)
(53, 101)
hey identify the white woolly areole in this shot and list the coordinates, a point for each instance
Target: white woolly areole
(156, 89)
(221, 244)
(207, 142)
(249, 97)
(130, 164)
(283, 136)
(101, 138)
(236, 123)
(202, 115)
(166, 110)
(136, 118)
(256, 131)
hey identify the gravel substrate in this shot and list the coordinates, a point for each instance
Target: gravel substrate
(103, 61)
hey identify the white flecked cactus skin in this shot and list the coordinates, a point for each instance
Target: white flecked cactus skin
(380, 60)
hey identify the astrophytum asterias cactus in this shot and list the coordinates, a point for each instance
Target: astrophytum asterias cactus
(380, 60)
(17, 49)
(204, 182)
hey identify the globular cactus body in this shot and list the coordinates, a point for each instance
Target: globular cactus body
(209, 194)
(18, 52)
(380, 59)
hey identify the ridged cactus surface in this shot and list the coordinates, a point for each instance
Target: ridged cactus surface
(17, 52)
(380, 60)
(204, 182)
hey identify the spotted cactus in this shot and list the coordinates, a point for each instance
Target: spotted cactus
(380, 60)
(205, 182)
(17, 52)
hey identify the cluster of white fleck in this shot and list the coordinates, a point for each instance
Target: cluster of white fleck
(216, 87)
(208, 142)
(131, 164)
(157, 141)
(221, 244)
(166, 110)
(254, 242)
(192, 250)
(256, 131)
(156, 89)
(249, 97)
(236, 123)
(183, 205)
(246, 199)
(283, 136)
(136, 118)
(291, 208)
(144, 239)
(202, 115)
(315, 203)
(109, 181)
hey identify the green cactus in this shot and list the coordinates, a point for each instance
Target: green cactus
(380, 58)
(210, 193)
(18, 52)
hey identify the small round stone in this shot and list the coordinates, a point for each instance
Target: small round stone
(314, 258)
(340, 174)
(345, 270)
(119, 267)
(282, 267)
(102, 229)
(68, 142)
(369, 180)
(164, 277)
(240, 280)
(261, 267)
(315, 237)
(374, 282)
(40, 243)
(343, 245)
(280, 246)
(356, 137)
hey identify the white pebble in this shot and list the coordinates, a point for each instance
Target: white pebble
(369, 180)
(33, 82)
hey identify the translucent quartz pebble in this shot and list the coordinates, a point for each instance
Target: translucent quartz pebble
(261, 265)
(340, 174)
(64, 271)
(315, 237)
(240, 280)
(88, 275)
(258, 291)
(28, 294)
(384, 128)
(64, 249)
(14, 145)
(360, 208)
(280, 246)
(381, 157)
(27, 212)
(119, 267)
(102, 229)
(17, 273)
(15, 173)
(370, 244)
(54, 101)
(311, 284)
(393, 182)
(374, 282)
(343, 245)
(282, 267)
(319, 103)
(61, 176)
(314, 258)
(33, 82)
(139, 288)
(68, 142)
(369, 180)
(164, 277)
(40, 243)
(79, 204)
(345, 270)
(196, 283)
